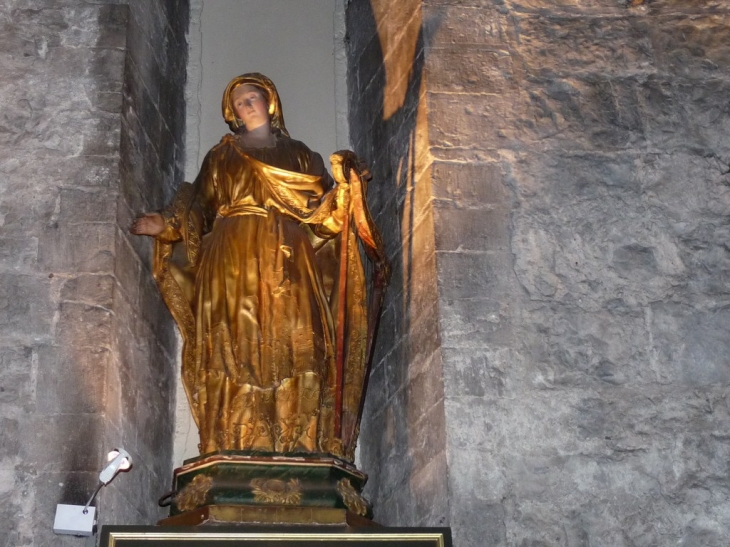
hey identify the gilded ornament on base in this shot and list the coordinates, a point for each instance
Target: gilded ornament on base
(276, 491)
(194, 494)
(353, 501)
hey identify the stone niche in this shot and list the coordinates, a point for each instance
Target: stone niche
(91, 134)
(553, 188)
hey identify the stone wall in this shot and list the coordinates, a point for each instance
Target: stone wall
(141, 392)
(578, 185)
(84, 360)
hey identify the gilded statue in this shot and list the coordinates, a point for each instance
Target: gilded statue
(262, 262)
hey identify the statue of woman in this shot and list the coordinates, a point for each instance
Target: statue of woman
(259, 264)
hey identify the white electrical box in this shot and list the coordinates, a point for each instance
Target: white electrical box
(71, 520)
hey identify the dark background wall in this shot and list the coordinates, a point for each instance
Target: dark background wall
(85, 361)
(577, 184)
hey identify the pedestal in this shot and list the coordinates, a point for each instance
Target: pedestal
(244, 487)
(246, 536)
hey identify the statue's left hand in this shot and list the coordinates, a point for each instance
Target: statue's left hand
(363, 170)
(151, 224)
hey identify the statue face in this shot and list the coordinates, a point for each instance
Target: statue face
(251, 106)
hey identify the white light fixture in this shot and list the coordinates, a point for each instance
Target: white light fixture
(79, 520)
(119, 460)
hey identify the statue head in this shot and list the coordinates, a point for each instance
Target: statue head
(268, 89)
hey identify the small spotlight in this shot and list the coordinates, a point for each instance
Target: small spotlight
(79, 520)
(119, 460)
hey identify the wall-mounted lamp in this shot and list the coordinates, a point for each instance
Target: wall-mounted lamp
(79, 520)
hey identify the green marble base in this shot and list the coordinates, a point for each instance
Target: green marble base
(251, 487)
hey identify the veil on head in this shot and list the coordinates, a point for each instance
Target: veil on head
(272, 96)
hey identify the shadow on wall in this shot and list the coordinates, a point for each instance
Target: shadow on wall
(388, 120)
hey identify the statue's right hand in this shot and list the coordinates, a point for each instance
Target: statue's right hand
(151, 224)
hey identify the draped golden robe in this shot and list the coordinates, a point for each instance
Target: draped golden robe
(255, 302)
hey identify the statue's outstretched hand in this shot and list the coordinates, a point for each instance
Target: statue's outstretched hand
(151, 224)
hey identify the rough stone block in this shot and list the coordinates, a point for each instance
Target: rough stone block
(621, 252)
(574, 347)
(673, 7)
(705, 121)
(9, 444)
(113, 397)
(119, 509)
(141, 354)
(571, 45)
(475, 323)
(466, 121)
(388, 222)
(155, 435)
(426, 434)
(692, 46)
(25, 307)
(424, 392)
(75, 440)
(412, 286)
(481, 523)
(492, 372)
(128, 271)
(376, 394)
(16, 387)
(370, 59)
(415, 350)
(469, 184)
(467, 25)
(101, 68)
(121, 408)
(691, 343)
(463, 275)
(88, 171)
(388, 335)
(471, 229)
(412, 353)
(400, 507)
(661, 111)
(470, 69)
(664, 178)
(393, 431)
(83, 326)
(550, 183)
(82, 247)
(101, 138)
(18, 200)
(544, 7)
(588, 112)
(71, 380)
(83, 205)
(431, 506)
(420, 502)
(91, 289)
(113, 21)
(144, 65)
(481, 479)
(18, 254)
